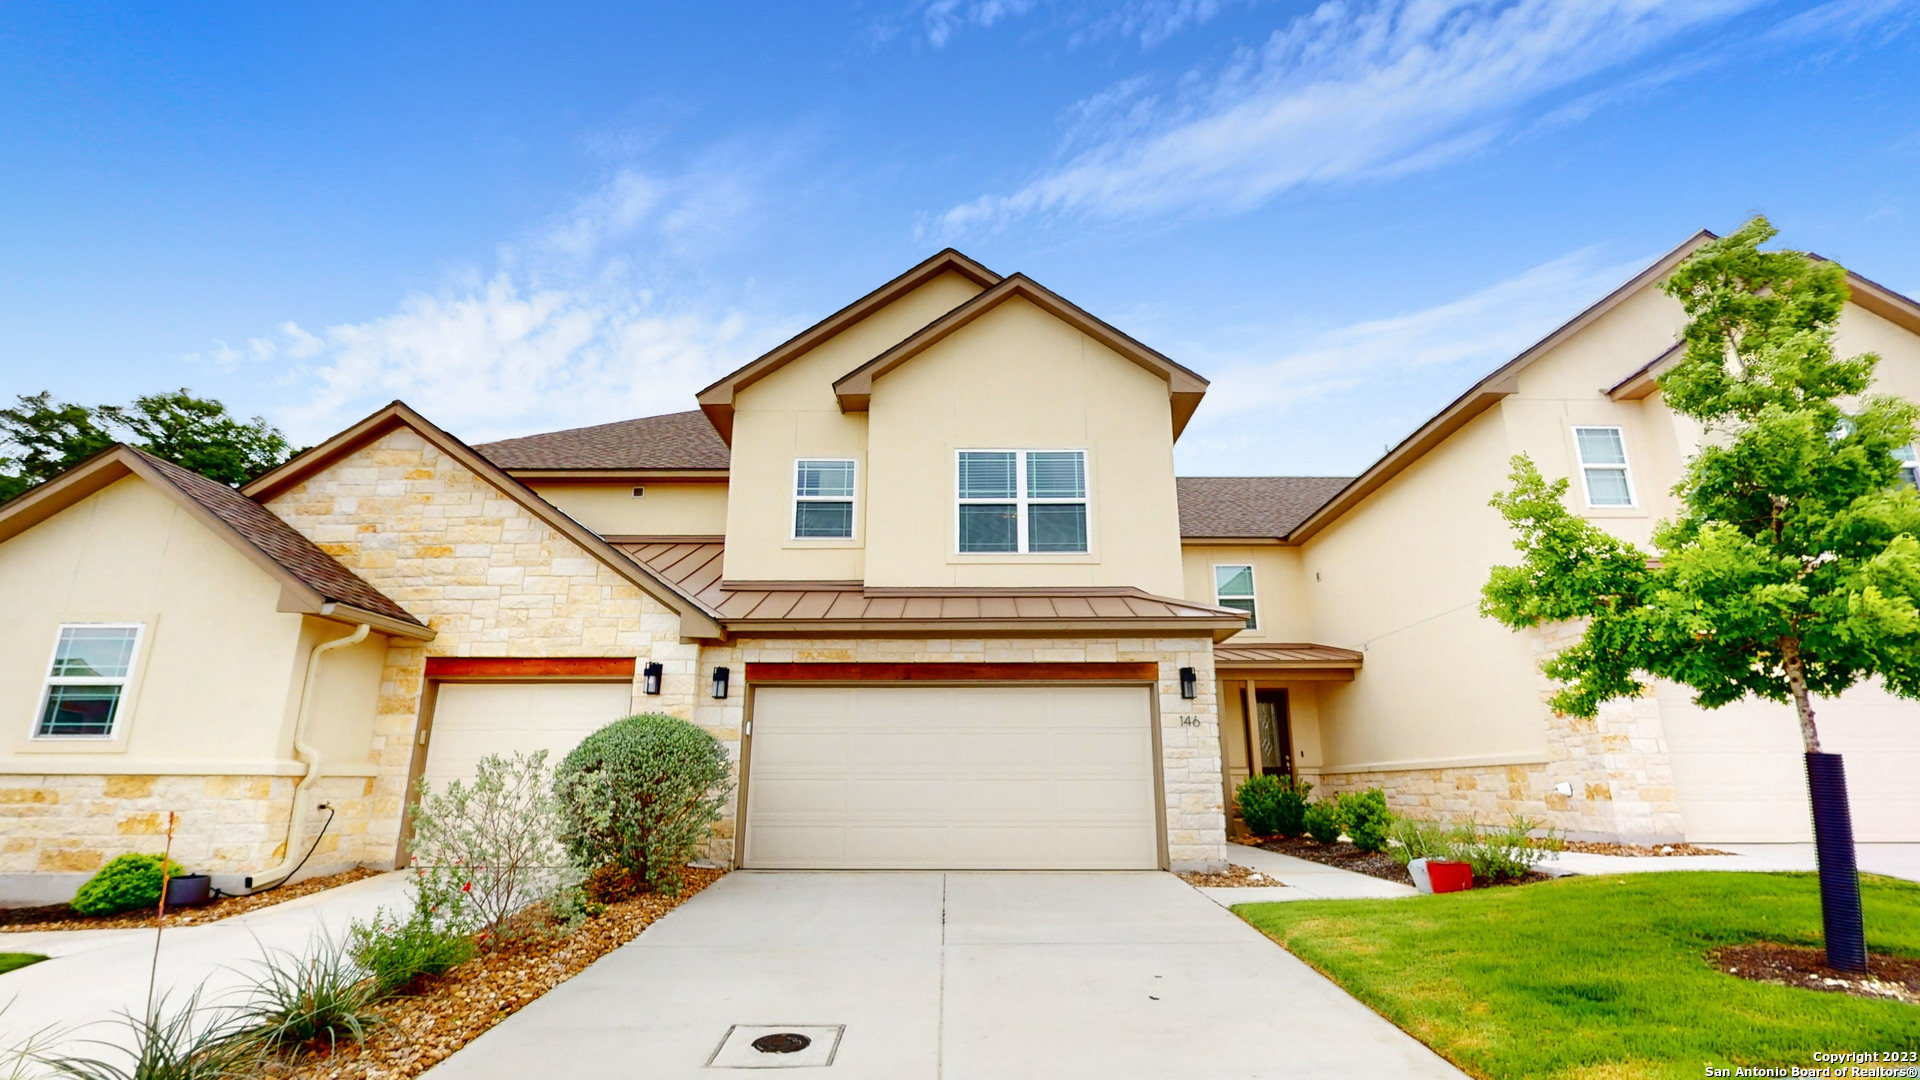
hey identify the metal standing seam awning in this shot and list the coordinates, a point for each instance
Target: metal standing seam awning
(1288, 661)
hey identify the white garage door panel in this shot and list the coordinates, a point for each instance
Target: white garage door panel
(472, 720)
(996, 777)
(1740, 771)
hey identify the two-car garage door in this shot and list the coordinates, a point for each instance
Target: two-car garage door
(951, 777)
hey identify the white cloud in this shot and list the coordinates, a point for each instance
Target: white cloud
(1350, 90)
(1333, 398)
(944, 18)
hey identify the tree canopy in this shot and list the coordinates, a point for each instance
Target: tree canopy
(40, 437)
(1792, 567)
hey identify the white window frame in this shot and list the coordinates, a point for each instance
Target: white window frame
(1021, 501)
(1624, 466)
(1253, 596)
(123, 682)
(852, 499)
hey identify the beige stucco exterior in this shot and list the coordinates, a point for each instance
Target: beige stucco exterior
(668, 507)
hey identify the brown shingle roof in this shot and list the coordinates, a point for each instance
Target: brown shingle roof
(682, 440)
(1250, 506)
(278, 541)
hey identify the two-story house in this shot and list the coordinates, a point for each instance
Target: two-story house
(925, 568)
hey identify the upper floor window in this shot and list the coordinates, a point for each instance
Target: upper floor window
(1022, 501)
(91, 663)
(1909, 465)
(1233, 588)
(822, 499)
(1603, 465)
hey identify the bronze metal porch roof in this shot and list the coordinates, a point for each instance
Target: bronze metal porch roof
(1284, 656)
(695, 564)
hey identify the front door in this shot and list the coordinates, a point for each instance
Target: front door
(1272, 735)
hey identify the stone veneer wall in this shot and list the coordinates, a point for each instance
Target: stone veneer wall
(1616, 764)
(488, 576)
(1189, 754)
(73, 824)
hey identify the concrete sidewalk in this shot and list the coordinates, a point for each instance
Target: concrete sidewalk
(957, 976)
(1300, 879)
(97, 974)
(1892, 860)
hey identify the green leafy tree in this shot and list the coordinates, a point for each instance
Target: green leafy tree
(40, 438)
(1792, 569)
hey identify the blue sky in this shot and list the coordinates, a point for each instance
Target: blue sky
(522, 217)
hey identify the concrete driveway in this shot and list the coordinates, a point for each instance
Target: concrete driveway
(961, 975)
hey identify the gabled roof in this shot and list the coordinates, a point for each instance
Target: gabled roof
(695, 619)
(311, 581)
(1184, 386)
(1249, 507)
(674, 441)
(717, 400)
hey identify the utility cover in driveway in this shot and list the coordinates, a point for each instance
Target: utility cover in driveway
(952, 777)
(777, 1046)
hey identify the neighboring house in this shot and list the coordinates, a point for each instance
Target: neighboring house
(925, 569)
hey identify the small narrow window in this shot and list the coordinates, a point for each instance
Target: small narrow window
(91, 663)
(639, 493)
(1909, 465)
(1603, 466)
(1022, 501)
(823, 499)
(1233, 588)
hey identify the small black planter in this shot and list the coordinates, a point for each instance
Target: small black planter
(188, 890)
(1839, 875)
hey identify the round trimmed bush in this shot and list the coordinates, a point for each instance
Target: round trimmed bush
(1323, 822)
(1259, 801)
(1367, 819)
(643, 793)
(127, 883)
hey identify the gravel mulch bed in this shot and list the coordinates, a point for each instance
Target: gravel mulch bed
(1340, 854)
(1587, 847)
(448, 1011)
(1235, 877)
(1895, 977)
(62, 917)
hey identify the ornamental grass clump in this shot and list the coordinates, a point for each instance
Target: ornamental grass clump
(310, 1001)
(485, 851)
(127, 883)
(190, 1043)
(643, 794)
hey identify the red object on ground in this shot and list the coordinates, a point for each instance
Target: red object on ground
(1449, 876)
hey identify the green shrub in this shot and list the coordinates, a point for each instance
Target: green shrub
(1323, 822)
(1291, 817)
(643, 793)
(1259, 802)
(486, 851)
(1504, 854)
(1366, 818)
(395, 953)
(1414, 839)
(127, 883)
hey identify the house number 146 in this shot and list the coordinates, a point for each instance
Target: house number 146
(1189, 721)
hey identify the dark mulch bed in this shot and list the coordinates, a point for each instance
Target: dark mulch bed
(1347, 857)
(62, 917)
(1888, 977)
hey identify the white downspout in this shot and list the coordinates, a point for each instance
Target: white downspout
(304, 751)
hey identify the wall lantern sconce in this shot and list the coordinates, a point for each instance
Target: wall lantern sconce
(650, 678)
(1189, 683)
(720, 675)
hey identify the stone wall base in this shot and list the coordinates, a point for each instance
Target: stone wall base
(56, 827)
(1488, 796)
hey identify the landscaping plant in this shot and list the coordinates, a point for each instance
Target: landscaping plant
(1259, 802)
(1366, 819)
(485, 851)
(1506, 854)
(1415, 839)
(1323, 822)
(643, 793)
(1793, 568)
(181, 1045)
(323, 997)
(127, 883)
(394, 953)
(1291, 817)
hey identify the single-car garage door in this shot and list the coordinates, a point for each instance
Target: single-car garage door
(1741, 775)
(472, 720)
(952, 777)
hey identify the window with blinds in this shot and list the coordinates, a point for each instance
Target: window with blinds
(91, 665)
(1022, 501)
(823, 499)
(1603, 466)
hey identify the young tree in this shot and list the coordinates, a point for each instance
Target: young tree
(1792, 570)
(44, 437)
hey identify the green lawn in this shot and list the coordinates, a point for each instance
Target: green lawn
(11, 960)
(1602, 978)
